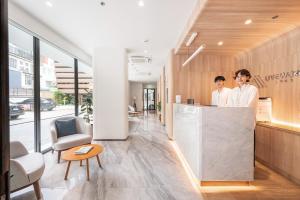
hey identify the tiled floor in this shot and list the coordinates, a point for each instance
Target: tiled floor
(145, 167)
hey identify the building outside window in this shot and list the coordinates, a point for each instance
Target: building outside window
(21, 87)
(57, 87)
(12, 62)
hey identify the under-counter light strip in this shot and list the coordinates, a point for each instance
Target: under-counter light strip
(201, 48)
(193, 179)
(275, 121)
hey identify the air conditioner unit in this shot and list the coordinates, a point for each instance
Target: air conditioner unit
(140, 60)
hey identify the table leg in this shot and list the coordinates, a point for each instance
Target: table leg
(80, 163)
(67, 172)
(98, 159)
(87, 169)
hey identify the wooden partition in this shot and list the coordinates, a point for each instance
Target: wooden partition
(278, 147)
(196, 80)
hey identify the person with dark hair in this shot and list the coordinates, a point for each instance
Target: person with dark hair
(245, 95)
(220, 95)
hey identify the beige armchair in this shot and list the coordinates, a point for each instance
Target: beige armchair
(83, 136)
(25, 168)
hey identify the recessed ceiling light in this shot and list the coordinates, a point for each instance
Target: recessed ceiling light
(102, 3)
(220, 43)
(49, 4)
(141, 3)
(248, 21)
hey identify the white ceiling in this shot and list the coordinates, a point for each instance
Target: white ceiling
(119, 23)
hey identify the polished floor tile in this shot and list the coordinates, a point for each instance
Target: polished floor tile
(144, 167)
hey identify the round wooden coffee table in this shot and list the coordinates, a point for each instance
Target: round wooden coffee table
(69, 155)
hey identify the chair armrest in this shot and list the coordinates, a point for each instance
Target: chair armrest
(84, 127)
(18, 176)
(53, 132)
(17, 149)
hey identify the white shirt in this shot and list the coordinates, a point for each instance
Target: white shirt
(219, 98)
(245, 96)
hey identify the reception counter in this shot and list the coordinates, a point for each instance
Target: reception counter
(217, 143)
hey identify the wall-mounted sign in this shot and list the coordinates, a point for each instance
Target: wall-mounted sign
(283, 77)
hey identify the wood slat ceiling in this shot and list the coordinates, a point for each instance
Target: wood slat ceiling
(223, 20)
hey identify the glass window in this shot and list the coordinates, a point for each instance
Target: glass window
(57, 88)
(85, 90)
(12, 62)
(21, 102)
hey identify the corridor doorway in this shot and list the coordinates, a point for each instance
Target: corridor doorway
(149, 99)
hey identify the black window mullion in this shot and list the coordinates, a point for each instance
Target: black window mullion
(37, 98)
(4, 103)
(76, 86)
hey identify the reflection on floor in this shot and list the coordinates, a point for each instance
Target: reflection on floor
(267, 186)
(145, 167)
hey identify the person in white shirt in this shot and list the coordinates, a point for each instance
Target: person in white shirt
(220, 95)
(245, 95)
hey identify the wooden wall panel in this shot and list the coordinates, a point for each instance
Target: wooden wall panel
(279, 55)
(279, 149)
(196, 80)
(161, 96)
(170, 84)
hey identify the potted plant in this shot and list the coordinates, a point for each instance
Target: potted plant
(158, 106)
(87, 106)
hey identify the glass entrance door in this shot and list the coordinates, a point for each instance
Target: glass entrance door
(149, 99)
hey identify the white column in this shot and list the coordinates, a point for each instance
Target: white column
(110, 93)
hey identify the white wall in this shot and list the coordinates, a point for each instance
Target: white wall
(150, 85)
(110, 94)
(24, 20)
(136, 90)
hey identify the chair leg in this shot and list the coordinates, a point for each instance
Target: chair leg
(58, 156)
(37, 190)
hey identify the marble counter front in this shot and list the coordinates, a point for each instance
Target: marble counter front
(217, 143)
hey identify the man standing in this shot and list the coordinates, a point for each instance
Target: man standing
(220, 95)
(245, 95)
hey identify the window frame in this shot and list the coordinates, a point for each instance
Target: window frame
(36, 85)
